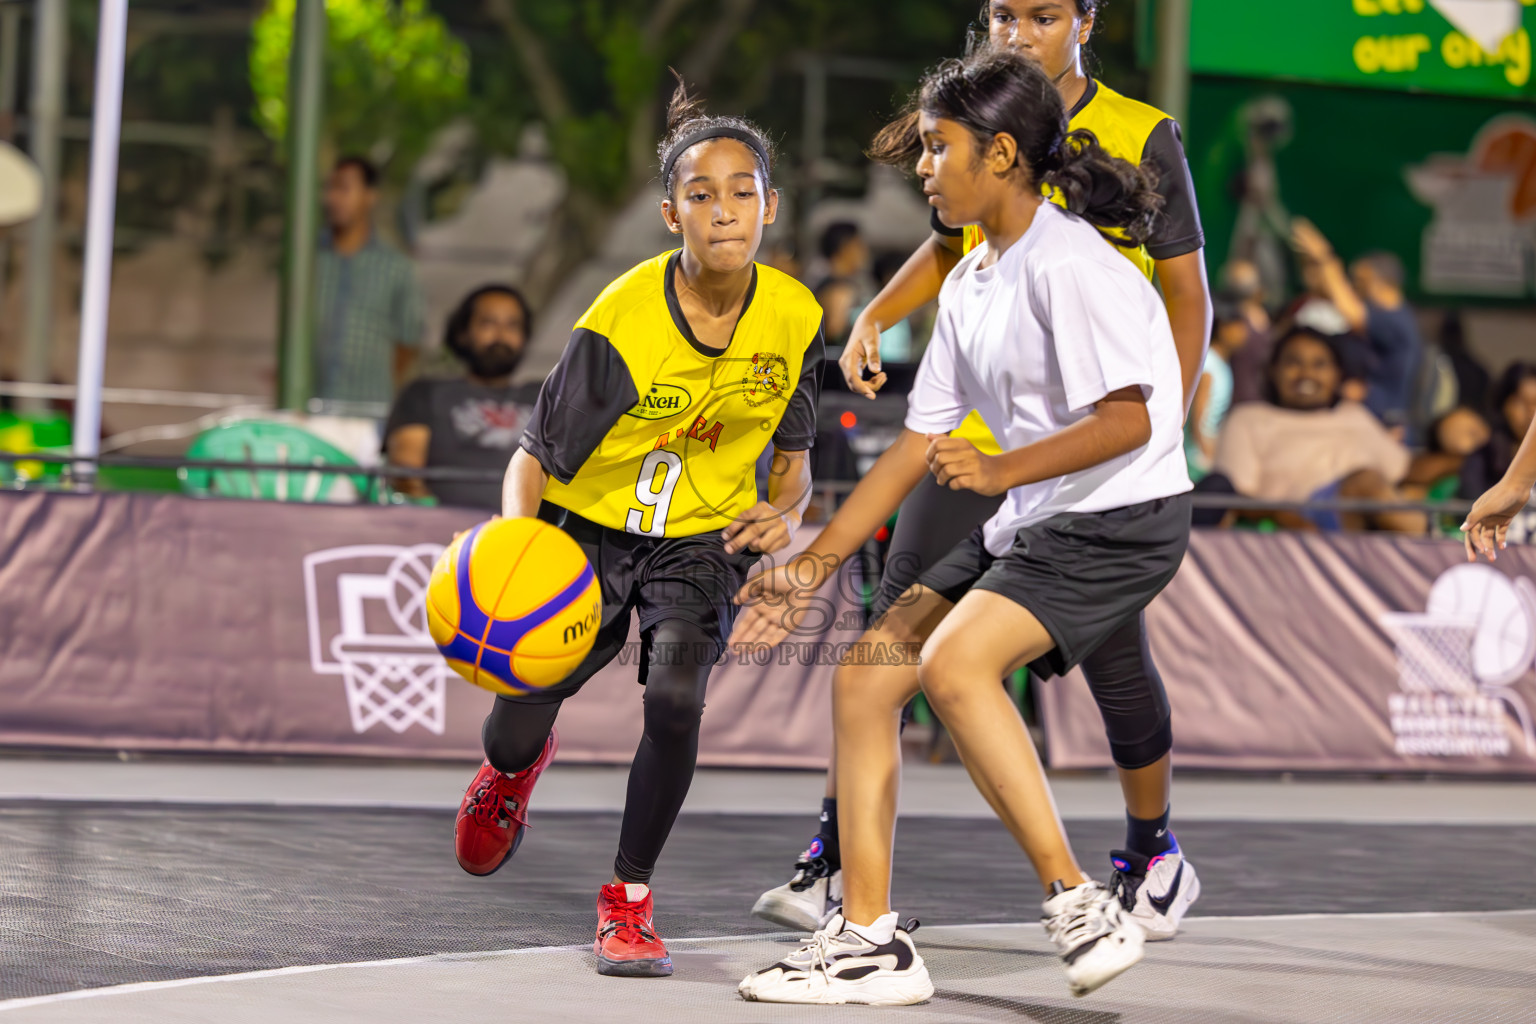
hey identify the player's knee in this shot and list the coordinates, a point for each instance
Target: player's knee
(1135, 747)
(944, 675)
(673, 707)
(872, 689)
(674, 687)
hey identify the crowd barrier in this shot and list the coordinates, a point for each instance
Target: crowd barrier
(1334, 652)
(157, 622)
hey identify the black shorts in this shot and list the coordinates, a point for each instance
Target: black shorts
(688, 578)
(931, 522)
(1083, 575)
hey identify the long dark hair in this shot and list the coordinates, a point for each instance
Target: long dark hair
(1505, 388)
(996, 91)
(686, 117)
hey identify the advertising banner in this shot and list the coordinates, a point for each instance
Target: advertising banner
(1458, 47)
(157, 622)
(1334, 652)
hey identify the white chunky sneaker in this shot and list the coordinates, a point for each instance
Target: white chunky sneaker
(1156, 892)
(1096, 937)
(807, 900)
(841, 965)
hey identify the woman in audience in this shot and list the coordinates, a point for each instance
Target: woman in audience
(1514, 410)
(1307, 443)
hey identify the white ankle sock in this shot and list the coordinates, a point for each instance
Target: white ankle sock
(882, 931)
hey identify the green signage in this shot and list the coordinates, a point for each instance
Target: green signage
(1456, 47)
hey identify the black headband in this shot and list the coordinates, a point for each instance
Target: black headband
(682, 145)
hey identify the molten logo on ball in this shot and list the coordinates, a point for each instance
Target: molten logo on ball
(514, 606)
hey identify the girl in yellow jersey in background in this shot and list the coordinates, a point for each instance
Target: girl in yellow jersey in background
(642, 447)
(1150, 872)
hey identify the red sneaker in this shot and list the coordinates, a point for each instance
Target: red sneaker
(627, 945)
(494, 813)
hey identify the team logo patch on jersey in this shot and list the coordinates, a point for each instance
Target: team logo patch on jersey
(661, 402)
(766, 379)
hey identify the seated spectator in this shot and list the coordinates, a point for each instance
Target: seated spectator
(1473, 383)
(474, 421)
(896, 343)
(843, 286)
(1241, 284)
(1213, 393)
(1452, 438)
(1514, 404)
(1370, 299)
(1306, 444)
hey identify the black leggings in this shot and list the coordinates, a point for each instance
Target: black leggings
(1120, 673)
(681, 656)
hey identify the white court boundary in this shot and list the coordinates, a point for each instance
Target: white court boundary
(132, 988)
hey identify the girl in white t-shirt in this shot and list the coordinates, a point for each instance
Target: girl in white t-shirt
(1066, 351)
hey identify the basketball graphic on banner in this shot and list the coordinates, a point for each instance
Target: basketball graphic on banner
(1457, 661)
(366, 610)
(514, 605)
(1504, 635)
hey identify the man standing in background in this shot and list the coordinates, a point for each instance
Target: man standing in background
(1370, 296)
(370, 305)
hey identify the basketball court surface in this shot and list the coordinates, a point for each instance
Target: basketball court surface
(185, 891)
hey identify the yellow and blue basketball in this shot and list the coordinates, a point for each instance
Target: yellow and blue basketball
(514, 605)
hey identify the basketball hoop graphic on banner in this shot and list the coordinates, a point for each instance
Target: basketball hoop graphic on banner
(366, 607)
(1456, 663)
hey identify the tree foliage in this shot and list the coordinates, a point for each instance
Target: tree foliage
(395, 74)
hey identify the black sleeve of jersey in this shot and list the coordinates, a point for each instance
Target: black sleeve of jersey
(412, 408)
(581, 400)
(1178, 230)
(942, 228)
(797, 430)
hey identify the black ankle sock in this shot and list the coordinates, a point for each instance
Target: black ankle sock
(1148, 836)
(828, 833)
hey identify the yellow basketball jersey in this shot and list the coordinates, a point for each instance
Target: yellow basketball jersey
(646, 430)
(1122, 126)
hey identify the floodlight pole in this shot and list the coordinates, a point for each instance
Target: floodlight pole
(306, 95)
(101, 209)
(50, 47)
(1170, 73)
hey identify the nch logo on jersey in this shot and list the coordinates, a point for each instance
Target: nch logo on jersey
(661, 402)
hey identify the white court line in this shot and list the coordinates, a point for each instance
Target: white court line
(278, 972)
(1348, 916)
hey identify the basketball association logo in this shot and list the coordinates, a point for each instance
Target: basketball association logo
(766, 379)
(367, 616)
(1457, 663)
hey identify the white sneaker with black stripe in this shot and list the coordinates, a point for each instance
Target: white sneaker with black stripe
(1156, 891)
(842, 965)
(807, 899)
(1098, 940)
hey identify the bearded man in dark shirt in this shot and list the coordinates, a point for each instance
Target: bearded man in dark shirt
(474, 421)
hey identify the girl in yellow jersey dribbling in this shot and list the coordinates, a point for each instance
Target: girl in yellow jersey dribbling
(642, 447)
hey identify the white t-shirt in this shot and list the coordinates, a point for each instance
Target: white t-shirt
(1032, 343)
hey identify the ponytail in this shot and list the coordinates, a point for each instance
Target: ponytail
(1109, 193)
(1000, 92)
(688, 124)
